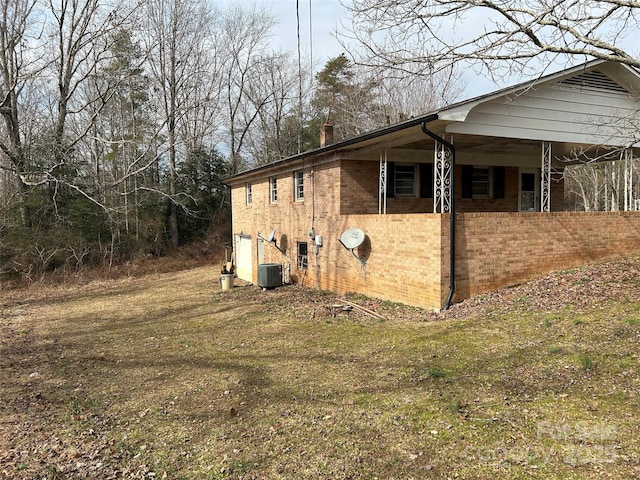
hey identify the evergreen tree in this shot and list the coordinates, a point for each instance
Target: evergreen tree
(202, 192)
(346, 99)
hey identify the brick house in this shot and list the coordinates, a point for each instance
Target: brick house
(451, 204)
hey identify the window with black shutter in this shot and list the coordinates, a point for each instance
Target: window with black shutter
(426, 180)
(483, 182)
(498, 182)
(391, 179)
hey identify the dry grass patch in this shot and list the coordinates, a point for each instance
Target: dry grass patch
(166, 376)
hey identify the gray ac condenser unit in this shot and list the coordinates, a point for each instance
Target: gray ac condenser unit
(270, 275)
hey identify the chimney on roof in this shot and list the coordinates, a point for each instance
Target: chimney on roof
(326, 134)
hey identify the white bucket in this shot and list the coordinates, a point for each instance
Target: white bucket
(226, 281)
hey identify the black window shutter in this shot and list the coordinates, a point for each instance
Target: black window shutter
(498, 182)
(467, 181)
(426, 180)
(391, 179)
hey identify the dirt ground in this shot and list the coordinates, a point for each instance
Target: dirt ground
(579, 289)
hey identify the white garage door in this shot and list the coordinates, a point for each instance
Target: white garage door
(244, 260)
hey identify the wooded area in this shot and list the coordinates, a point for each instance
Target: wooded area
(120, 118)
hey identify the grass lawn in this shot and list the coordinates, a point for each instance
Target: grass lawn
(167, 376)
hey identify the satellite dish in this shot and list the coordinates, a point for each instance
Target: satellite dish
(352, 238)
(271, 237)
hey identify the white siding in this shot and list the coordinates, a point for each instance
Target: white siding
(557, 113)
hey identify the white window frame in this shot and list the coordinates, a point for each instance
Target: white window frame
(487, 186)
(536, 192)
(303, 259)
(249, 193)
(273, 189)
(409, 181)
(298, 185)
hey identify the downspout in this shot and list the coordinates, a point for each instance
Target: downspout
(452, 213)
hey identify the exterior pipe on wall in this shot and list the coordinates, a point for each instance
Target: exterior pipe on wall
(452, 213)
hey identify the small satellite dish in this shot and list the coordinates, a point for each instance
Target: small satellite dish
(271, 238)
(352, 238)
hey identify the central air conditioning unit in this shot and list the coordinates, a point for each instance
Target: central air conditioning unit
(270, 275)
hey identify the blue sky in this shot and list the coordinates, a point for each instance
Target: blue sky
(327, 16)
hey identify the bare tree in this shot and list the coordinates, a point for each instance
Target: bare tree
(502, 36)
(16, 70)
(177, 30)
(48, 53)
(202, 119)
(584, 187)
(278, 121)
(245, 34)
(412, 94)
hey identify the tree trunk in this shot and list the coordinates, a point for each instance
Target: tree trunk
(25, 211)
(173, 219)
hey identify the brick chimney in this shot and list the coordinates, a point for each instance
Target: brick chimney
(326, 134)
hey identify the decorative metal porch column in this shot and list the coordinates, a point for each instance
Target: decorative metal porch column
(443, 189)
(382, 183)
(545, 178)
(628, 180)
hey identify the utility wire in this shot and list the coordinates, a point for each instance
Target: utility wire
(310, 43)
(299, 78)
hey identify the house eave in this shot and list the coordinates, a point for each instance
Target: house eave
(335, 148)
(447, 118)
(623, 73)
